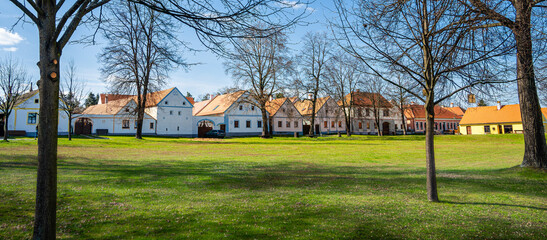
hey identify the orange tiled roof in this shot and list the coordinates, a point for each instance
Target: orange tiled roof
(544, 111)
(418, 111)
(274, 105)
(365, 99)
(152, 99)
(491, 114)
(219, 104)
(113, 97)
(305, 107)
(110, 108)
(457, 110)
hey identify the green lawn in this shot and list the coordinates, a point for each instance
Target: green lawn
(282, 188)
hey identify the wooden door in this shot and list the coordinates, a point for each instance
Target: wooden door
(468, 130)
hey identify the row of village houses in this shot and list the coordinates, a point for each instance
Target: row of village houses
(170, 113)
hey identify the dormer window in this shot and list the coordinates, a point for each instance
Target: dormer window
(166, 102)
(36, 100)
(240, 107)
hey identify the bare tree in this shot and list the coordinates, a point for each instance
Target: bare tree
(400, 97)
(344, 77)
(142, 50)
(256, 65)
(375, 87)
(434, 43)
(313, 60)
(525, 19)
(72, 95)
(56, 22)
(13, 83)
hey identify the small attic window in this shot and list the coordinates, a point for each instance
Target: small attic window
(283, 109)
(36, 100)
(240, 107)
(127, 110)
(252, 108)
(166, 102)
(183, 103)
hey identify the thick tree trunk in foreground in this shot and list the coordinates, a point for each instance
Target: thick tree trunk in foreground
(265, 131)
(46, 187)
(535, 148)
(430, 151)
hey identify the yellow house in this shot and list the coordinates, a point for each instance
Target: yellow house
(494, 120)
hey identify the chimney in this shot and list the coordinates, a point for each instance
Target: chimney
(451, 104)
(499, 105)
(211, 96)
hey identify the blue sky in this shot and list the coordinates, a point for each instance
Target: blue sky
(21, 42)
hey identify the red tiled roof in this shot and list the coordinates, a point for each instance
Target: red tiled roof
(418, 111)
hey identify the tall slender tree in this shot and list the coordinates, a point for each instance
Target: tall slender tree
(435, 43)
(314, 59)
(13, 84)
(72, 94)
(256, 65)
(142, 50)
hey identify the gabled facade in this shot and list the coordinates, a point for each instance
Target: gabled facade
(446, 121)
(329, 117)
(494, 120)
(23, 119)
(234, 113)
(167, 113)
(284, 117)
(362, 114)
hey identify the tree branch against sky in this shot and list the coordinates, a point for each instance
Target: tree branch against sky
(72, 93)
(433, 43)
(14, 83)
(57, 21)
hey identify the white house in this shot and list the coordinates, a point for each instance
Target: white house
(284, 117)
(168, 113)
(233, 113)
(23, 119)
(329, 117)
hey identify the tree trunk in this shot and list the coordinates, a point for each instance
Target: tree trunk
(535, 149)
(403, 120)
(6, 127)
(430, 151)
(69, 127)
(46, 187)
(265, 131)
(312, 127)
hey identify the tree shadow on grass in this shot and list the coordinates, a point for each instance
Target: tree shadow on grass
(495, 204)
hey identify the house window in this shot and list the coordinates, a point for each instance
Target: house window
(135, 124)
(359, 113)
(279, 124)
(183, 103)
(396, 127)
(283, 109)
(31, 118)
(326, 111)
(367, 112)
(325, 124)
(178, 128)
(486, 129)
(258, 124)
(295, 124)
(151, 125)
(368, 125)
(248, 124)
(127, 110)
(339, 124)
(236, 124)
(288, 124)
(421, 125)
(508, 129)
(180, 113)
(386, 112)
(240, 107)
(36, 100)
(125, 124)
(252, 108)
(166, 102)
(331, 124)
(360, 125)
(170, 112)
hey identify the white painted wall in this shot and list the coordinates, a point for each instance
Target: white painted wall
(174, 115)
(290, 118)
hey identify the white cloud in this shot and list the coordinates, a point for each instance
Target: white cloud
(296, 5)
(8, 38)
(10, 49)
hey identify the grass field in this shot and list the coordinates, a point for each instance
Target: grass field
(282, 188)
